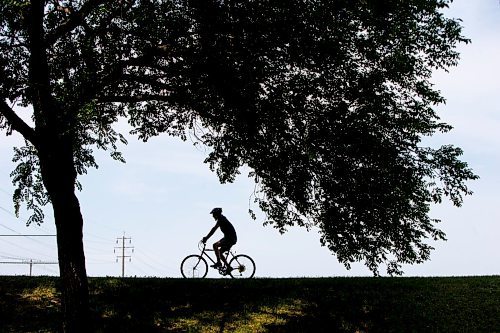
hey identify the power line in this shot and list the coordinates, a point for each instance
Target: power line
(30, 262)
(27, 235)
(150, 260)
(20, 217)
(25, 249)
(5, 192)
(10, 229)
(9, 256)
(8, 211)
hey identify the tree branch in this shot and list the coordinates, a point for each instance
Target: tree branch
(75, 19)
(150, 80)
(115, 74)
(16, 123)
(40, 87)
(132, 99)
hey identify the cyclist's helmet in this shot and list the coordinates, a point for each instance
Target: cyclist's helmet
(216, 211)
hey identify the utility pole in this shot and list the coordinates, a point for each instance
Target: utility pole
(123, 248)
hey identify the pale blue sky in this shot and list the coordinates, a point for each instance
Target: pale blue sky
(162, 196)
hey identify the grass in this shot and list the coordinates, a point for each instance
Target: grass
(455, 304)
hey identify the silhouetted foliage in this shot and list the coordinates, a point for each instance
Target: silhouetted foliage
(326, 101)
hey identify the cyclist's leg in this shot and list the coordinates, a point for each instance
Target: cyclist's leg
(225, 246)
(217, 246)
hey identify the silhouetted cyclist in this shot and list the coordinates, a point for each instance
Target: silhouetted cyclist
(226, 242)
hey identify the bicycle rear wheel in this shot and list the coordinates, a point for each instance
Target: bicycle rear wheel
(242, 267)
(194, 267)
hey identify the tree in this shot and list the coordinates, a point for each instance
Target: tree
(326, 101)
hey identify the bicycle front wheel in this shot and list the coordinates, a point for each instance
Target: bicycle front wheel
(242, 267)
(194, 267)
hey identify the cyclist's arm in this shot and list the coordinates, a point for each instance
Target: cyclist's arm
(211, 232)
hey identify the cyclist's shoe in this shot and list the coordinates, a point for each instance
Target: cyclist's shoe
(216, 265)
(229, 269)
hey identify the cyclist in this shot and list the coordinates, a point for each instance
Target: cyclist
(226, 242)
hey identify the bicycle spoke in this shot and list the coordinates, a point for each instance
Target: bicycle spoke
(194, 266)
(242, 266)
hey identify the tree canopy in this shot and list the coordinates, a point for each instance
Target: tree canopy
(326, 101)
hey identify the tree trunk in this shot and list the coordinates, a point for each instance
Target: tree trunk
(75, 294)
(54, 141)
(59, 177)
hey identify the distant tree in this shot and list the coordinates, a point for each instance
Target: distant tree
(325, 100)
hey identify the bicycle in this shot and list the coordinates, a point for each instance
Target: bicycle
(196, 266)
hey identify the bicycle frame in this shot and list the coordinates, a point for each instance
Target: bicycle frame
(226, 254)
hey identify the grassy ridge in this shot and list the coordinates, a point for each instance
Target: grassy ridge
(457, 304)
